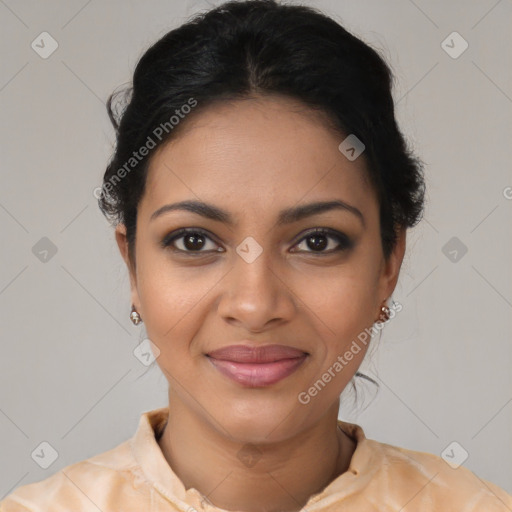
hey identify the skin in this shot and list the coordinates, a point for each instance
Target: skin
(253, 158)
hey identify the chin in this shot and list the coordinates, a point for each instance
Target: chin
(260, 424)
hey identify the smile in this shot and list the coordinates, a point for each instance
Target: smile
(258, 374)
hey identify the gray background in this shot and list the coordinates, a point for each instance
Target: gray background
(68, 375)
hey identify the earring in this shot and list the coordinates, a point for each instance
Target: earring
(135, 317)
(385, 313)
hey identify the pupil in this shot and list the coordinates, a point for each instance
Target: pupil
(320, 245)
(189, 241)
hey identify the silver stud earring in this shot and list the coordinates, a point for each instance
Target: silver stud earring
(135, 317)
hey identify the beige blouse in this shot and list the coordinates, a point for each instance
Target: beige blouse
(135, 477)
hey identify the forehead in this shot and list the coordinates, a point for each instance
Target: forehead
(256, 153)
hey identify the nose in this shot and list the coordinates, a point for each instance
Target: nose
(254, 295)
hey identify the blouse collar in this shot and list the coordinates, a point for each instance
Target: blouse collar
(159, 473)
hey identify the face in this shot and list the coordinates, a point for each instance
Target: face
(260, 279)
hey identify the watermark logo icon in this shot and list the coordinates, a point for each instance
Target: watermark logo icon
(454, 45)
(44, 455)
(351, 147)
(249, 249)
(146, 352)
(249, 455)
(454, 454)
(44, 250)
(44, 45)
(454, 249)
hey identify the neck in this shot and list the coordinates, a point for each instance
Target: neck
(274, 477)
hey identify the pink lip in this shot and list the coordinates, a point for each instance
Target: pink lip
(257, 366)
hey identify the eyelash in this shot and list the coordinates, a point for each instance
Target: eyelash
(344, 243)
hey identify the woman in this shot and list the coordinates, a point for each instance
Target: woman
(261, 191)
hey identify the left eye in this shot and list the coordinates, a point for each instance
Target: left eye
(318, 239)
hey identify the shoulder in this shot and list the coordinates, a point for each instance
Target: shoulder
(428, 482)
(111, 477)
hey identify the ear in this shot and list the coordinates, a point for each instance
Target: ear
(122, 243)
(391, 268)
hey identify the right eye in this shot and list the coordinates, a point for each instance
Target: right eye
(192, 241)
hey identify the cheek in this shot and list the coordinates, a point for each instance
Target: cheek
(344, 300)
(344, 307)
(171, 297)
(345, 316)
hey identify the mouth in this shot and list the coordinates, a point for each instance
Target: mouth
(257, 366)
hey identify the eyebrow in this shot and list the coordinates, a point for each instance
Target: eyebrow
(286, 216)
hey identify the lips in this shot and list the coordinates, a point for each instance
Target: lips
(257, 366)
(260, 354)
